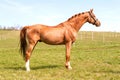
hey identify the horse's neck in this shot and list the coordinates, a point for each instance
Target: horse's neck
(78, 22)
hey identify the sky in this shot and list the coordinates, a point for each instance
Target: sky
(53, 12)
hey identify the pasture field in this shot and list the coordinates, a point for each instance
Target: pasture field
(91, 59)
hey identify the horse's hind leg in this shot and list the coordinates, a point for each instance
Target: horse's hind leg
(29, 50)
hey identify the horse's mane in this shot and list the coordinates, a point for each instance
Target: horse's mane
(76, 15)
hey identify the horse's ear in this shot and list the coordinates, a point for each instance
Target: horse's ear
(91, 10)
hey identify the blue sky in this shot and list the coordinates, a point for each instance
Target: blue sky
(53, 12)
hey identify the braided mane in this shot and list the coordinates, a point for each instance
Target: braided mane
(76, 15)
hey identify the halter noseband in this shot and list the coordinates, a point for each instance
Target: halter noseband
(95, 20)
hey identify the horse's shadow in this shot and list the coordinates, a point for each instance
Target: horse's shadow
(45, 67)
(34, 68)
(111, 71)
(14, 68)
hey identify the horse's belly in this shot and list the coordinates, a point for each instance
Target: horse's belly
(53, 39)
(52, 36)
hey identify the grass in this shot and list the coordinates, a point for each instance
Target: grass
(91, 60)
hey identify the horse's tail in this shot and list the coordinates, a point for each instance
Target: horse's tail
(23, 42)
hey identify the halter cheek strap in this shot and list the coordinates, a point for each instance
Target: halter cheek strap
(95, 20)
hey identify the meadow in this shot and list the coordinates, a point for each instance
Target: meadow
(92, 58)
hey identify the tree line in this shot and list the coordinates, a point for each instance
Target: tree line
(16, 27)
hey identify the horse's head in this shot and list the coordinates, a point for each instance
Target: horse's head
(92, 19)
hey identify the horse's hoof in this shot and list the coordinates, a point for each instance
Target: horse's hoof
(69, 67)
(28, 70)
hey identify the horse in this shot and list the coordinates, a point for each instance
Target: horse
(64, 33)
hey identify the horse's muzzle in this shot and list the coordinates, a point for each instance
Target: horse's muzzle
(98, 24)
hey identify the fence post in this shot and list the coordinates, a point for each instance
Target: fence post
(103, 37)
(92, 35)
(81, 35)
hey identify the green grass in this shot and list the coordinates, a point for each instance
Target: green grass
(90, 59)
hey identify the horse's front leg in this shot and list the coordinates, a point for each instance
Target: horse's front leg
(68, 48)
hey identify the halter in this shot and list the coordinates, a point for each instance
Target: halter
(95, 20)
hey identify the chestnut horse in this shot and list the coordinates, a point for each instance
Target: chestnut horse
(63, 33)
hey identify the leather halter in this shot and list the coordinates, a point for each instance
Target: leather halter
(95, 20)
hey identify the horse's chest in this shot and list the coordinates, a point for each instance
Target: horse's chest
(70, 35)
